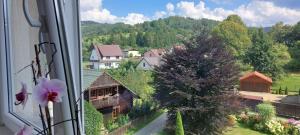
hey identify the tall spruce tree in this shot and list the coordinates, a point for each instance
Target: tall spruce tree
(179, 125)
(198, 81)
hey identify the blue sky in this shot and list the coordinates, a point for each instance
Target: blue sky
(148, 7)
(253, 12)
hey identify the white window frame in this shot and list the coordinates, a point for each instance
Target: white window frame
(63, 19)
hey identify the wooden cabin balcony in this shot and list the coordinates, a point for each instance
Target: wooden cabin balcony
(105, 101)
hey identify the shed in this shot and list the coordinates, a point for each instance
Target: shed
(256, 82)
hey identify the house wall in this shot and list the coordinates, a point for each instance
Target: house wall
(98, 62)
(144, 65)
(255, 84)
(94, 56)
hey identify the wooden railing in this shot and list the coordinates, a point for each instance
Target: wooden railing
(106, 102)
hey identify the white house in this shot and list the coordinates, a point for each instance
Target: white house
(106, 56)
(148, 63)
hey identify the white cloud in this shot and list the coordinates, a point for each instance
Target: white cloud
(198, 11)
(86, 5)
(255, 13)
(265, 13)
(160, 14)
(92, 10)
(134, 18)
(170, 7)
(97, 15)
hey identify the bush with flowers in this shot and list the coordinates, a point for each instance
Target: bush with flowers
(275, 127)
(264, 121)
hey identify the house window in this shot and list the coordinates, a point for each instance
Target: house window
(108, 64)
(20, 52)
(17, 48)
(144, 64)
(107, 57)
(118, 57)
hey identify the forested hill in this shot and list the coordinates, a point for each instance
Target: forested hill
(158, 33)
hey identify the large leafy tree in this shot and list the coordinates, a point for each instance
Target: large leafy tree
(266, 56)
(235, 34)
(199, 82)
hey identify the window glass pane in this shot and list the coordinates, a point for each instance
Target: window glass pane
(22, 39)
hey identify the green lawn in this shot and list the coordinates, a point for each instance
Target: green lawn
(291, 81)
(240, 129)
(148, 119)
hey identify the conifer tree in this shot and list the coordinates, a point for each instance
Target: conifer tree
(179, 125)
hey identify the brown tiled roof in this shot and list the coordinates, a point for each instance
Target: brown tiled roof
(109, 50)
(255, 73)
(157, 52)
(104, 80)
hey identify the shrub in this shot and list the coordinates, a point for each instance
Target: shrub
(275, 127)
(111, 125)
(253, 119)
(280, 90)
(266, 111)
(93, 120)
(142, 107)
(231, 120)
(286, 91)
(122, 120)
(179, 126)
(259, 127)
(299, 91)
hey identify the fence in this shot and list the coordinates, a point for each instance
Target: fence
(282, 109)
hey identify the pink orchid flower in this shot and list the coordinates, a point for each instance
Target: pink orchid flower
(22, 96)
(48, 90)
(26, 130)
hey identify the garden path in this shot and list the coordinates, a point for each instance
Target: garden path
(155, 126)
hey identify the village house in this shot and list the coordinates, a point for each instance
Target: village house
(256, 82)
(155, 53)
(106, 94)
(148, 63)
(106, 56)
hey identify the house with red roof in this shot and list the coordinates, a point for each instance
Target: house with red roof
(256, 82)
(155, 53)
(106, 56)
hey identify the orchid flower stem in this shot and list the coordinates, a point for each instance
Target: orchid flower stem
(54, 125)
(48, 120)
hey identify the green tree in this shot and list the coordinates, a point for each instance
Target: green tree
(93, 120)
(280, 33)
(196, 82)
(132, 40)
(179, 125)
(140, 41)
(235, 35)
(264, 56)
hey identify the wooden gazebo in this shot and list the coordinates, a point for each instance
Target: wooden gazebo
(256, 82)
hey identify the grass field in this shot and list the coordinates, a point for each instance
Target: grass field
(148, 119)
(240, 129)
(291, 81)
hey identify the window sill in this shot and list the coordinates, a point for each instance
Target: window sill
(5, 131)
